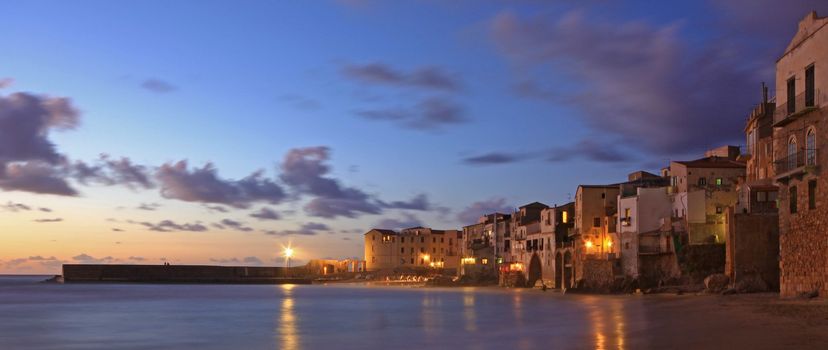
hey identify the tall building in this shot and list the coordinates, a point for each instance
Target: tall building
(416, 247)
(702, 189)
(799, 133)
(483, 243)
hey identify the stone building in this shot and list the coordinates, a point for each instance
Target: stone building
(557, 224)
(416, 248)
(752, 243)
(799, 133)
(645, 230)
(701, 190)
(525, 227)
(594, 233)
(480, 251)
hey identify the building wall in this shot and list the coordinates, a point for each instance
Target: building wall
(592, 203)
(416, 248)
(648, 209)
(753, 247)
(803, 238)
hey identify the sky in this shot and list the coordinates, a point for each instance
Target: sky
(218, 132)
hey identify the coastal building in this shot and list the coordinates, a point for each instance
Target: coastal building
(481, 248)
(752, 240)
(557, 223)
(644, 228)
(595, 233)
(525, 227)
(799, 135)
(701, 190)
(415, 248)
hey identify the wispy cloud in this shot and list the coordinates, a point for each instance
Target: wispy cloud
(307, 229)
(158, 86)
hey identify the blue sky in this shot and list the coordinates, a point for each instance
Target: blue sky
(483, 104)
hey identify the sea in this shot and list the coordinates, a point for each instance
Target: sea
(37, 315)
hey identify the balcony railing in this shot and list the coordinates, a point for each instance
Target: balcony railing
(802, 103)
(802, 158)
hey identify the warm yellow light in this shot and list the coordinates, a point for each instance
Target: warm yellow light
(563, 217)
(609, 244)
(288, 252)
(589, 244)
(426, 257)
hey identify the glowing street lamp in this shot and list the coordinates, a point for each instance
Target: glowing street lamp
(288, 253)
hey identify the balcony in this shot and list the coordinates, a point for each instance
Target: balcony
(799, 106)
(795, 164)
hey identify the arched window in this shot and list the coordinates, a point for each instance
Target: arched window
(810, 147)
(791, 163)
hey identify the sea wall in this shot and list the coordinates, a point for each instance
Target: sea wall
(182, 274)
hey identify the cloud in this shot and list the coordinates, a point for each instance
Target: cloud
(216, 208)
(25, 263)
(136, 258)
(158, 86)
(45, 210)
(473, 212)
(84, 258)
(148, 206)
(115, 229)
(429, 114)
(304, 170)
(307, 229)
(35, 177)
(419, 202)
(170, 226)
(252, 260)
(109, 172)
(15, 207)
(203, 185)
(407, 221)
(48, 220)
(590, 150)
(236, 225)
(6, 82)
(429, 77)
(225, 261)
(635, 81)
(265, 213)
(26, 121)
(494, 158)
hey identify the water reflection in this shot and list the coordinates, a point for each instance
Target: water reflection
(608, 323)
(287, 322)
(469, 313)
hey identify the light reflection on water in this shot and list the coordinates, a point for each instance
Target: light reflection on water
(287, 321)
(39, 316)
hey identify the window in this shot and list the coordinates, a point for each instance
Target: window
(451, 241)
(422, 239)
(412, 261)
(812, 187)
(373, 237)
(718, 210)
(791, 153)
(596, 222)
(719, 181)
(442, 240)
(810, 147)
(433, 239)
(402, 250)
(412, 251)
(626, 212)
(484, 261)
(792, 199)
(791, 85)
(402, 239)
(809, 86)
(563, 217)
(603, 195)
(433, 250)
(541, 244)
(702, 181)
(422, 250)
(761, 196)
(507, 246)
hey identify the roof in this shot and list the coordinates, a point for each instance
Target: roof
(712, 162)
(383, 231)
(535, 204)
(600, 186)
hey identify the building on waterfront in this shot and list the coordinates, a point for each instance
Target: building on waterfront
(645, 229)
(557, 223)
(333, 266)
(483, 244)
(752, 240)
(415, 248)
(799, 135)
(595, 233)
(701, 190)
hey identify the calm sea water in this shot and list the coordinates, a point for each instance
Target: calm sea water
(136, 316)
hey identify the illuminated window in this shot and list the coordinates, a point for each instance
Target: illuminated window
(626, 212)
(564, 217)
(718, 181)
(484, 261)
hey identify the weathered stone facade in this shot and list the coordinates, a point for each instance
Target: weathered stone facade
(753, 248)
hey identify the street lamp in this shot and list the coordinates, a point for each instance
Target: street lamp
(288, 252)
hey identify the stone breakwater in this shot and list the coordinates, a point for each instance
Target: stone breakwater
(80, 273)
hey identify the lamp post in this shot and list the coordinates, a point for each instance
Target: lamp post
(288, 252)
